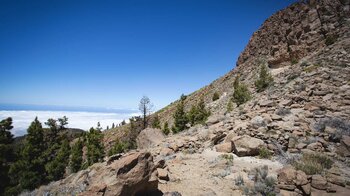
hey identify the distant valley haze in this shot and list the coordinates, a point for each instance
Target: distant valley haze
(78, 117)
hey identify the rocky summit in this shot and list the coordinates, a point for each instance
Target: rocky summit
(291, 138)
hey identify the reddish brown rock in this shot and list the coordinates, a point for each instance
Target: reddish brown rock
(247, 146)
(301, 178)
(130, 174)
(224, 147)
(319, 182)
(149, 137)
(287, 175)
(292, 33)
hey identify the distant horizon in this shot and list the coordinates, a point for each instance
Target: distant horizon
(81, 117)
(76, 119)
(38, 107)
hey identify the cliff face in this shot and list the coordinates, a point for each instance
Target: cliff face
(297, 31)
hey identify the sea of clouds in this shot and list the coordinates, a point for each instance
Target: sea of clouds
(82, 120)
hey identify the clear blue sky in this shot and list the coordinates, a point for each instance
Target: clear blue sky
(110, 53)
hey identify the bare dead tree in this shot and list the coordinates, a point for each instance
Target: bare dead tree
(145, 107)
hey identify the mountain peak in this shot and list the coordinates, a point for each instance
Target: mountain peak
(297, 31)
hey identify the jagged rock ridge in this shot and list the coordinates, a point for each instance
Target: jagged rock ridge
(297, 31)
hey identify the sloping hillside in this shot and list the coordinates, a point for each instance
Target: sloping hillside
(292, 138)
(283, 40)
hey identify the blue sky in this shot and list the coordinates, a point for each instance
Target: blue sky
(111, 53)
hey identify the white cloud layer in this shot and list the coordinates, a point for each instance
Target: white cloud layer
(82, 120)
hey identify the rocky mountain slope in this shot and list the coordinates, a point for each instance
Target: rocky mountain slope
(291, 139)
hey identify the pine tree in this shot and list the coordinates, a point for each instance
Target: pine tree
(52, 134)
(57, 167)
(113, 126)
(216, 96)
(99, 128)
(236, 82)
(63, 122)
(229, 106)
(118, 147)
(166, 129)
(95, 149)
(156, 122)
(180, 117)
(29, 171)
(76, 156)
(241, 92)
(123, 123)
(198, 113)
(54, 143)
(6, 153)
(145, 107)
(265, 79)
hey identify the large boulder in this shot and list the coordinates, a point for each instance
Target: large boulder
(213, 119)
(131, 174)
(224, 147)
(319, 182)
(246, 145)
(287, 175)
(258, 121)
(149, 137)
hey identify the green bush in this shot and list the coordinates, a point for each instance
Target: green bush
(313, 163)
(95, 148)
(331, 39)
(311, 68)
(216, 96)
(229, 106)
(294, 61)
(198, 113)
(76, 158)
(166, 129)
(119, 147)
(241, 92)
(263, 184)
(264, 153)
(228, 157)
(180, 117)
(156, 122)
(265, 79)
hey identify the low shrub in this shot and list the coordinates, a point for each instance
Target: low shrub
(342, 65)
(227, 157)
(265, 79)
(311, 68)
(263, 184)
(313, 163)
(331, 39)
(304, 64)
(341, 126)
(264, 153)
(293, 76)
(294, 61)
(119, 147)
(216, 96)
(241, 92)
(166, 129)
(229, 106)
(239, 181)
